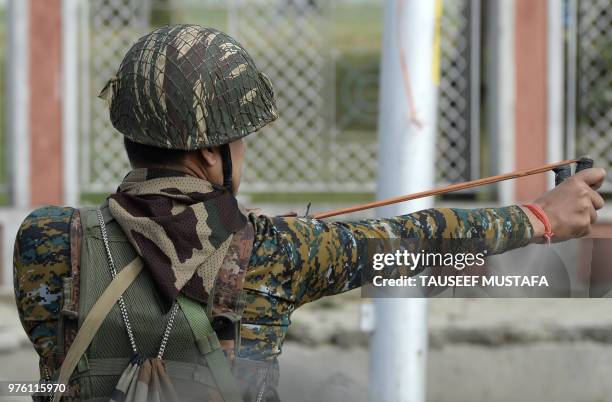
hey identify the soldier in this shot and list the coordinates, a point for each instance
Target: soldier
(183, 98)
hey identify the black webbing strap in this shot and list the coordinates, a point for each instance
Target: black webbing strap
(226, 157)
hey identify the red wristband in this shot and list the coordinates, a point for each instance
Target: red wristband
(541, 215)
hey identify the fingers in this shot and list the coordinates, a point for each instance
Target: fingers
(597, 200)
(593, 214)
(594, 177)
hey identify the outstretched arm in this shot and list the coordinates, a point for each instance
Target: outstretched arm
(299, 260)
(303, 259)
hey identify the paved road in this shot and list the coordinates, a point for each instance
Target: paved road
(540, 372)
(481, 350)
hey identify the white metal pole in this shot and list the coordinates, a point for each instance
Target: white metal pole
(84, 101)
(555, 83)
(70, 109)
(504, 80)
(18, 128)
(17, 131)
(571, 75)
(406, 164)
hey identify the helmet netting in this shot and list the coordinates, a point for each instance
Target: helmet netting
(189, 87)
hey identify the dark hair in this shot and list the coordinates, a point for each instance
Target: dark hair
(141, 155)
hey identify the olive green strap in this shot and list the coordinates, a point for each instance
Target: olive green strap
(94, 320)
(209, 346)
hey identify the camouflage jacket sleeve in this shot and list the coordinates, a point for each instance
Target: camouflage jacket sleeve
(41, 260)
(298, 260)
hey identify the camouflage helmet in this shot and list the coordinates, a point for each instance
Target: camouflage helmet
(188, 87)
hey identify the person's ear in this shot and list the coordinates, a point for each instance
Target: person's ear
(209, 156)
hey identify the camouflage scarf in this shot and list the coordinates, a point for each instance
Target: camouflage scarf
(181, 227)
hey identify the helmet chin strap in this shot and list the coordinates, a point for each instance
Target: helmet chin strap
(226, 158)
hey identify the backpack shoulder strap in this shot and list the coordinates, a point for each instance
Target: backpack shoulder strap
(209, 347)
(94, 319)
(69, 314)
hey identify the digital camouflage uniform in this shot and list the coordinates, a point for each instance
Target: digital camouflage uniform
(188, 87)
(294, 261)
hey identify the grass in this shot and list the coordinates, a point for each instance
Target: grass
(93, 198)
(357, 29)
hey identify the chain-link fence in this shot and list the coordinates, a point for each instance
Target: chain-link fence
(594, 81)
(289, 40)
(459, 100)
(109, 28)
(323, 58)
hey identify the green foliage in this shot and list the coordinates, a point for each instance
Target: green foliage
(357, 36)
(161, 13)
